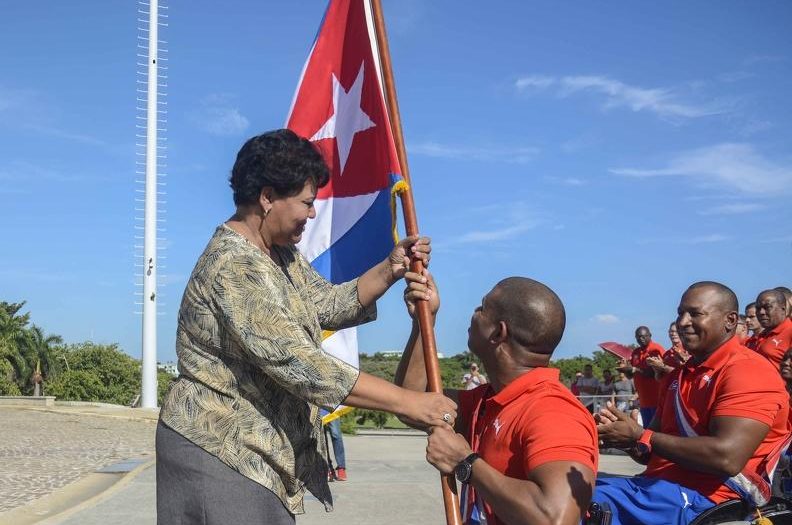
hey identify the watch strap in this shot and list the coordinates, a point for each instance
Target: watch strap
(644, 443)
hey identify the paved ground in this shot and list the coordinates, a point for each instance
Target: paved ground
(389, 481)
(43, 451)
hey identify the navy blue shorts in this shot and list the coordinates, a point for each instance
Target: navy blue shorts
(649, 501)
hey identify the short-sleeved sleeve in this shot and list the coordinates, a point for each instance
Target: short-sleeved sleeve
(560, 431)
(270, 337)
(754, 394)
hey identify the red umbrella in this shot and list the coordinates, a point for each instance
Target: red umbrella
(619, 350)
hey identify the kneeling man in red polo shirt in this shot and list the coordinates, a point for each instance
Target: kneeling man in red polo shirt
(526, 449)
(719, 430)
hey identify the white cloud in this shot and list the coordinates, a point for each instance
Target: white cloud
(699, 239)
(735, 76)
(663, 102)
(518, 155)
(494, 223)
(733, 209)
(68, 135)
(496, 234)
(218, 116)
(606, 319)
(735, 165)
(706, 239)
(26, 172)
(535, 81)
(763, 59)
(567, 181)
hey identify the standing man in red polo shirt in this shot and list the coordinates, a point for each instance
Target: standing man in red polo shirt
(526, 451)
(771, 310)
(643, 374)
(720, 427)
(788, 294)
(752, 323)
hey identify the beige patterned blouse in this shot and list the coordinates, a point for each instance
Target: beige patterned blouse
(252, 373)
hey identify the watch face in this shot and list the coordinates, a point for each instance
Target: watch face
(463, 471)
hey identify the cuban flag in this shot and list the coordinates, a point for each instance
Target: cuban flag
(339, 105)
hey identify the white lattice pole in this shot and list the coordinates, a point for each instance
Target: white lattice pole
(149, 379)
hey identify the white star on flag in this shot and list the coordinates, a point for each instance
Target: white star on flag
(348, 117)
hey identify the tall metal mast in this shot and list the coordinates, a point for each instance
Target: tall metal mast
(154, 151)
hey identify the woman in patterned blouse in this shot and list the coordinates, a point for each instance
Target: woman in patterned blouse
(239, 439)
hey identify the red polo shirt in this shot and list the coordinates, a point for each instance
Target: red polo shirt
(646, 387)
(732, 381)
(774, 343)
(673, 357)
(752, 342)
(532, 421)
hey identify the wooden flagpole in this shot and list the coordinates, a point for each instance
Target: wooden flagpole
(450, 496)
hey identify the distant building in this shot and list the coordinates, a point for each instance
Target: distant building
(398, 353)
(169, 367)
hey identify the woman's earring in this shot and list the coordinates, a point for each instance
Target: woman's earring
(266, 212)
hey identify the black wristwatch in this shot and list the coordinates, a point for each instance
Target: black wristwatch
(464, 469)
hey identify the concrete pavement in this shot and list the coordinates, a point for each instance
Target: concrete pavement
(389, 484)
(67, 466)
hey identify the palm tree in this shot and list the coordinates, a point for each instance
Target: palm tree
(38, 349)
(12, 328)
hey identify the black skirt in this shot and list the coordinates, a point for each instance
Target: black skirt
(194, 487)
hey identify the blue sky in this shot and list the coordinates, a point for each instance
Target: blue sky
(617, 152)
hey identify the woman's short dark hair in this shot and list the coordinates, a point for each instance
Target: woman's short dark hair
(280, 159)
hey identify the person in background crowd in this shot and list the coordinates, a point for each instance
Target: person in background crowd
(786, 372)
(674, 357)
(788, 294)
(643, 374)
(720, 425)
(752, 324)
(573, 386)
(623, 392)
(337, 439)
(588, 386)
(742, 330)
(474, 378)
(782, 481)
(526, 450)
(777, 334)
(606, 388)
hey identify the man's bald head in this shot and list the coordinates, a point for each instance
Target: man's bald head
(532, 312)
(707, 317)
(771, 308)
(643, 336)
(725, 298)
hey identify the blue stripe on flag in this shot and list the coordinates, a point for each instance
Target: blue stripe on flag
(363, 246)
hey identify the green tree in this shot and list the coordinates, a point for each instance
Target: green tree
(77, 385)
(36, 347)
(117, 372)
(378, 417)
(164, 380)
(7, 385)
(12, 330)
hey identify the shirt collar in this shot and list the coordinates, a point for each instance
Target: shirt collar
(526, 382)
(717, 358)
(783, 325)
